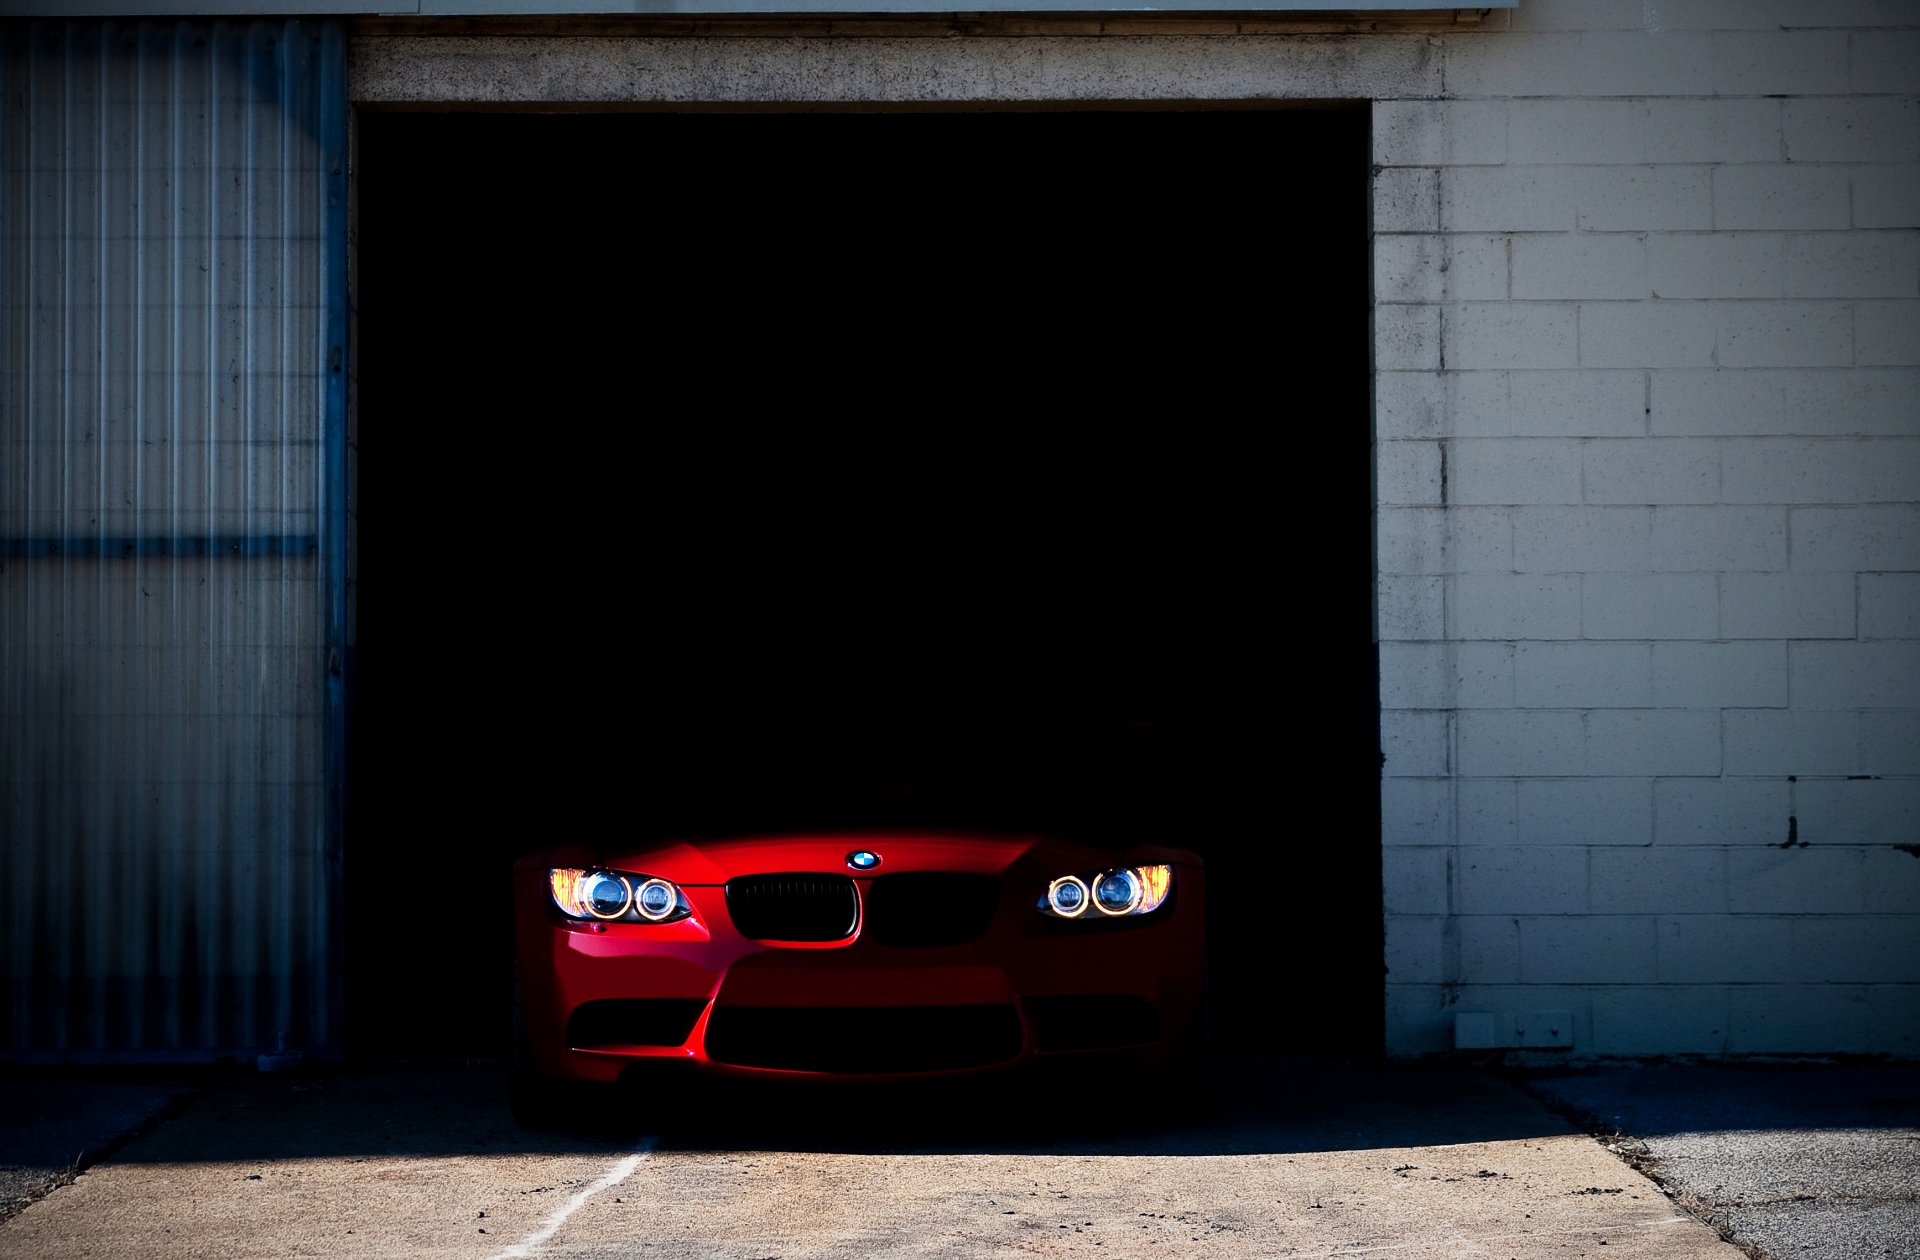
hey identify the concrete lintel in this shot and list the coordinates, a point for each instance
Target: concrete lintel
(512, 70)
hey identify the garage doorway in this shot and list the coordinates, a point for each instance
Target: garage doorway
(1014, 464)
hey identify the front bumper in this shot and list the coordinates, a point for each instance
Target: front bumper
(600, 1000)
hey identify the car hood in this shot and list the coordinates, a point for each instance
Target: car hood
(716, 860)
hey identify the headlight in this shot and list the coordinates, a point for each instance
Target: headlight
(1109, 894)
(616, 896)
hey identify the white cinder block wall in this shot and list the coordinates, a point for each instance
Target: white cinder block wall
(1648, 405)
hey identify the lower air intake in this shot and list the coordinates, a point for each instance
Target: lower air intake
(864, 1039)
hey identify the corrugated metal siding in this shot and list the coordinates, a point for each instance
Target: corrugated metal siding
(171, 409)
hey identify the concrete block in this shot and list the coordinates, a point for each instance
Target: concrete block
(1648, 334)
(1642, 63)
(1721, 811)
(1419, 1019)
(1583, 675)
(1521, 881)
(1821, 470)
(1698, 946)
(1787, 606)
(1763, 196)
(1406, 199)
(1416, 812)
(1406, 338)
(1480, 539)
(1439, 133)
(1684, 265)
(1859, 812)
(1581, 539)
(1893, 879)
(1411, 540)
(1580, 265)
(1407, 473)
(1889, 741)
(1815, 402)
(1886, 334)
(1819, 880)
(1785, 334)
(1893, 1019)
(1861, 264)
(1545, 132)
(1508, 744)
(1509, 335)
(1792, 741)
(1798, 1019)
(1718, 539)
(1643, 198)
(1886, 196)
(1502, 471)
(1779, 63)
(1482, 675)
(1686, 401)
(1852, 129)
(1839, 675)
(1412, 608)
(1884, 61)
(1415, 948)
(1446, 675)
(1582, 403)
(1656, 1019)
(1653, 742)
(1508, 606)
(1589, 813)
(1414, 880)
(1409, 405)
(1513, 64)
(1486, 811)
(1579, 15)
(1649, 606)
(1656, 880)
(1507, 198)
(1741, 675)
(1849, 949)
(1414, 743)
(1476, 403)
(1890, 605)
(1406, 268)
(1651, 470)
(1714, 131)
(1489, 949)
(1772, 15)
(1423, 268)
(1587, 949)
(1432, 540)
(1878, 536)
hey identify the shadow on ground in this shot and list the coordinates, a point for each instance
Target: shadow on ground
(1239, 1106)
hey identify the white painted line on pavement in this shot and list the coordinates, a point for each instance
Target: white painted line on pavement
(615, 1175)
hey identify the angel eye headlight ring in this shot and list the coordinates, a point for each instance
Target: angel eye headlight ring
(1068, 896)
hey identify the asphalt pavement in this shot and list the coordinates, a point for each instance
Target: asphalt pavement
(1270, 1158)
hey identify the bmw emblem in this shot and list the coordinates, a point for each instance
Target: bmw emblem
(863, 859)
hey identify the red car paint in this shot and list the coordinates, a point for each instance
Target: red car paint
(1028, 987)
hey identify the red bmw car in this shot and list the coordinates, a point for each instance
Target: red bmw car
(851, 955)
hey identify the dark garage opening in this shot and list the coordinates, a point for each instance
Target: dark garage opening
(1001, 468)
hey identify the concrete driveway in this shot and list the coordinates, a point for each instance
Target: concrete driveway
(1304, 1160)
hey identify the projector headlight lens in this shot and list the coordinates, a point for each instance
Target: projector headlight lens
(1115, 893)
